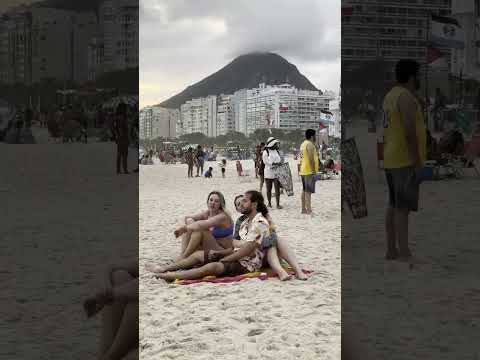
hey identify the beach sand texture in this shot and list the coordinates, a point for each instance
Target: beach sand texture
(424, 311)
(252, 319)
(64, 217)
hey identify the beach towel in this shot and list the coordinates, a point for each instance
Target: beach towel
(284, 175)
(353, 185)
(263, 274)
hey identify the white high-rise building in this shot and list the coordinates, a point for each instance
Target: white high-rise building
(199, 116)
(239, 105)
(466, 61)
(38, 43)
(118, 20)
(283, 107)
(225, 119)
(155, 122)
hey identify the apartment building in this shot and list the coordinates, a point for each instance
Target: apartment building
(155, 122)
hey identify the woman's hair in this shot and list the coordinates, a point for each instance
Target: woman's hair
(236, 198)
(257, 197)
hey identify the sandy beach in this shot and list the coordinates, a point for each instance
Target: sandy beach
(62, 222)
(252, 319)
(426, 311)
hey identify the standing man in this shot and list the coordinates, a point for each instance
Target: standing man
(261, 165)
(200, 160)
(309, 162)
(122, 137)
(404, 155)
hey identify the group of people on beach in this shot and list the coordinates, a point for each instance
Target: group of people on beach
(212, 244)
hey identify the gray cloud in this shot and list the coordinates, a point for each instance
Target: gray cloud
(183, 41)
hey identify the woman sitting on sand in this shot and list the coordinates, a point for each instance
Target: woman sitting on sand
(210, 229)
(119, 306)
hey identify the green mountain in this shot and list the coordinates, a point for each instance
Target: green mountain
(246, 71)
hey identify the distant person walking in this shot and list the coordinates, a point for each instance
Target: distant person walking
(190, 159)
(200, 160)
(309, 166)
(271, 157)
(404, 155)
(223, 166)
(120, 127)
(261, 165)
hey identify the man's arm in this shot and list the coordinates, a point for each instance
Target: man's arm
(242, 252)
(408, 108)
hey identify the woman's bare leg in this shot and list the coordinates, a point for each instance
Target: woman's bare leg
(287, 254)
(112, 314)
(201, 240)
(186, 237)
(196, 258)
(126, 337)
(274, 262)
(211, 269)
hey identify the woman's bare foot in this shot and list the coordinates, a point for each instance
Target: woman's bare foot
(300, 275)
(167, 276)
(284, 276)
(154, 268)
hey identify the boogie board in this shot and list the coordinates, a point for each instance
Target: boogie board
(353, 184)
(284, 175)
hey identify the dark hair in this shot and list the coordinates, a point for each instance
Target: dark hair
(262, 144)
(220, 195)
(210, 168)
(405, 69)
(310, 133)
(121, 109)
(257, 197)
(235, 200)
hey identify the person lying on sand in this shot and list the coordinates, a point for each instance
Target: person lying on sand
(118, 303)
(248, 258)
(274, 246)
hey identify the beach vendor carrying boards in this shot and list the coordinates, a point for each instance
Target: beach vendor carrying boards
(308, 169)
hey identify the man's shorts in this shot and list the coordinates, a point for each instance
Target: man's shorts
(233, 268)
(403, 188)
(308, 182)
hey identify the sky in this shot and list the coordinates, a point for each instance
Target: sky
(184, 41)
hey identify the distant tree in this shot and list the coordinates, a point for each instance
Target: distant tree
(195, 138)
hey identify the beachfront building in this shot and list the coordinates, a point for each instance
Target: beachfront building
(118, 46)
(225, 119)
(38, 43)
(335, 127)
(387, 29)
(283, 107)
(239, 105)
(466, 62)
(156, 121)
(199, 116)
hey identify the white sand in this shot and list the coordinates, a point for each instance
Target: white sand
(62, 210)
(252, 319)
(429, 311)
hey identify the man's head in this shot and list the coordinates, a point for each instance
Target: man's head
(407, 73)
(310, 134)
(252, 203)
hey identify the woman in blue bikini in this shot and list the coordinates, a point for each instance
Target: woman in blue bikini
(209, 230)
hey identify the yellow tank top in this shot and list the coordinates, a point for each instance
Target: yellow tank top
(396, 153)
(305, 168)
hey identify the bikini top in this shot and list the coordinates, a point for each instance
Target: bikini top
(219, 233)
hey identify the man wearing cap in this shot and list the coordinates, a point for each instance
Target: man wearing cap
(271, 157)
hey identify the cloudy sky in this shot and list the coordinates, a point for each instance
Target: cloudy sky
(183, 41)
